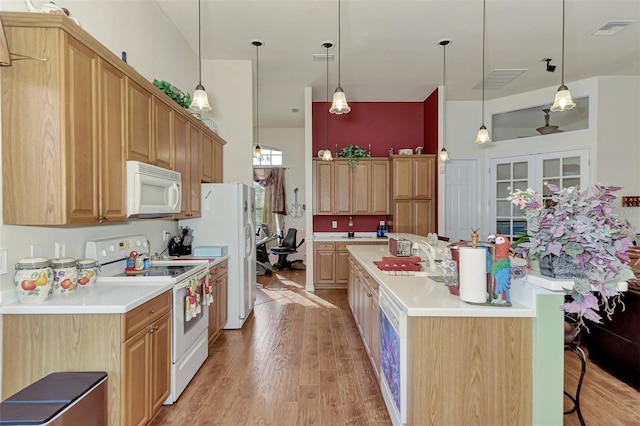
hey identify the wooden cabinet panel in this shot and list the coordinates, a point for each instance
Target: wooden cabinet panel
(374, 346)
(160, 373)
(218, 309)
(194, 171)
(342, 188)
(82, 138)
(380, 193)
(423, 175)
(162, 149)
(342, 267)
(180, 163)
(223, 298)
(140, 118)
(135, 380)
(403, 216)
(402, 178)
(324, 265)
(218, 162)
(423, 222)
(112, 171)
(362, 187)
(323, 187)
(207, 158)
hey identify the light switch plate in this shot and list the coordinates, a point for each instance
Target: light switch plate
(334, 224)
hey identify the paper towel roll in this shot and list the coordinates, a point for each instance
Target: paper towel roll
(473, 274)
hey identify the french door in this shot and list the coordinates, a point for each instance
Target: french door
(507, 174)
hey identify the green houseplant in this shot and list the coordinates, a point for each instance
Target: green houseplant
(353, 153)
(582, 228)
(181, 98)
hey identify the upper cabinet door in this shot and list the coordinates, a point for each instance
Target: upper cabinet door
(162, 149)
(380, 187)
(402, 178)
(361, 192)
(139, 119)
(195, 137)
(207, 172)
(342, 184)
(218, 162)
(423, 170)
(323, 187)
(81, 121)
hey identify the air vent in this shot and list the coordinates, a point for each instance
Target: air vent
(497, 79)
(612, 27)
(321, 57)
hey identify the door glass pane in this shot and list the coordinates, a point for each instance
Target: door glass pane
(571, 182)
(571, 166)
(503, 189)
(520, 184)
(520, 170)
(503, 208)
(545, 191)
(503, 171)
(551, 168)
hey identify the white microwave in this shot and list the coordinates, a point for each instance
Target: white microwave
(152, 191)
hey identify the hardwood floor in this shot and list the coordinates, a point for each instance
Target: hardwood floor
(299, 360)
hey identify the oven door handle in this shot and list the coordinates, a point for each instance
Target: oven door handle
(185, 283)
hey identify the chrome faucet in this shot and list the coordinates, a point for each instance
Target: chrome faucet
(430, 253)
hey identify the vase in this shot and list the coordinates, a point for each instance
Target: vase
(560, 267)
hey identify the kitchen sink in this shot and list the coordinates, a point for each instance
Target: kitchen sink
(353, 238)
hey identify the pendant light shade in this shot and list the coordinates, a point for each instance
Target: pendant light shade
(339, 105)
(257, 152)
(326, 154)
(563, 99)
(200, 101)
(483, 134)
(444, 155)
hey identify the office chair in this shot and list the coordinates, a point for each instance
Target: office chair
(287, 247)
(263, 265)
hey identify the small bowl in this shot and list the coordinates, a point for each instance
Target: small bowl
(405, 151)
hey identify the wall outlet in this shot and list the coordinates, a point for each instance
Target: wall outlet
(166, 235)
(59, 250)
(334, 224)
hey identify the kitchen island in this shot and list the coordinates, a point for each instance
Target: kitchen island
(443, 361)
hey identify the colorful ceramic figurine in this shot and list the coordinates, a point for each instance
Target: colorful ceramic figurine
(501, 271)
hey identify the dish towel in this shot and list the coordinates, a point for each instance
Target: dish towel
(192, 301)
(208, 290)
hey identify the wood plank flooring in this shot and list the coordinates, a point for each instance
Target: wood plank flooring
(299, 360)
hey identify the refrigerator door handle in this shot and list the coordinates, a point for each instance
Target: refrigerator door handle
(249, 244)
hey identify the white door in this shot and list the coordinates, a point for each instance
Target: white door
(462, 206)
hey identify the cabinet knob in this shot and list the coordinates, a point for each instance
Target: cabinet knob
(152, 311)
(155, 328)
(150, 330)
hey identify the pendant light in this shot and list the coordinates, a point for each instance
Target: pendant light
(326, 154)
(483, 133)
(563, 99)
(200, 102)
(444, 155)
(339, 105)
(257, 152)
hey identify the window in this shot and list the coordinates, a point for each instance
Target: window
(563, 168)
(270, 157)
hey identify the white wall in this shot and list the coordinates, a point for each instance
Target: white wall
(612, 136)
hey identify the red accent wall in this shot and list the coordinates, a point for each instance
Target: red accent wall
(384, 125)
(431, 138)
(360, 223)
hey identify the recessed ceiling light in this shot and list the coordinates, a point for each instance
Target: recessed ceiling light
(612, 27)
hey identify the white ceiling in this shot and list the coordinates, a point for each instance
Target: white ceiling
(389, 47)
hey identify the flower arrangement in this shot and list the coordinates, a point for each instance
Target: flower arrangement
(583, 226)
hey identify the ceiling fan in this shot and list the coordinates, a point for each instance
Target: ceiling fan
(547, 129)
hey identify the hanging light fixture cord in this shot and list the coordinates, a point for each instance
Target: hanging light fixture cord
(257, 95)
(484, 7)
(562, 43)
(444, 89)
(340, 43)
(199, 45)
(327, 114)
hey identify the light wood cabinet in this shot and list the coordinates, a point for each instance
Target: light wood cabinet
(207, 158)
(67, 142)
(134, 349)
(193, 191)
(323, 187)
(52, 144)
(362, 292)
(413, 191)
(218, 309)
(339, 190)
(163, 149)
(187, 140)
(324, 263)
(218, 161)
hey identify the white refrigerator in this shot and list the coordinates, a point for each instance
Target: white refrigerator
(228, 218)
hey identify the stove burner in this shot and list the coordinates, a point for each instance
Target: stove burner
(172, 271)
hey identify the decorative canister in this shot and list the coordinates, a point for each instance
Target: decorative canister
(65, 275)
(33, 279)
(87, 272)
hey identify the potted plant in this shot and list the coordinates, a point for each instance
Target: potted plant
(580, 232)
(353, 152)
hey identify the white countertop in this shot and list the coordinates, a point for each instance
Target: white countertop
(342, 237)
(421, 296)
(108, 295)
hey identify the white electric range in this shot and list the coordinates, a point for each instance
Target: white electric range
(189, 342)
